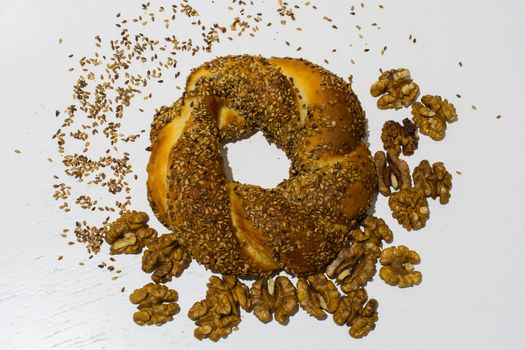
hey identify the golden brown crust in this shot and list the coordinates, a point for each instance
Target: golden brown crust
(309, 113)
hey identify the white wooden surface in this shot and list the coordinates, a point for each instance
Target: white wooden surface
(472, 249)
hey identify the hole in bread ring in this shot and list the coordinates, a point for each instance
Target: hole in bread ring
(233, 228)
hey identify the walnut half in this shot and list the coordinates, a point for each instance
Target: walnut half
(166, 257)
(156, 304)
(391, 172)
(434, 180)
(410, 208)
(355, 265)
(432, 114)
(130, 233)
(397, 137)
(277, 297)
(398, 267)
(354, 311)
(218, 315)
(396, 89)
(317, 294)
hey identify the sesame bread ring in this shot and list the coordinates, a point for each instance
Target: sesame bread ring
(233, 228)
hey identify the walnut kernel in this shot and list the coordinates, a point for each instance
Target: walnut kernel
(277, 297)
(366, 321)
(391, 172)
(375, 231)
(435, 180)
(431, 115)
(398, 267)
(317, 294)
(156, 304)
(397, 137)
(130, 233)
(355, 265)
(410, 208)
(349, 306)
(383, 173)
(354, 311)
(219, 314)
(165, 257)
(361, 273)
(397, 89)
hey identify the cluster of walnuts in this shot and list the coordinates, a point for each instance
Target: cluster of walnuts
(408, 194)
(340, 289)
(163, 257)
(219, 313)
(396, 89)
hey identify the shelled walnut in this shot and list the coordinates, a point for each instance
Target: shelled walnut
(345, 262)
(218, 314)
(391, 172)
(410, 208)
(355, 265)
(349, 306)
(156, 304)
(435, 180)
(366, 321)
(398, 267)
(353, 310)
(397, 137)
(277, 297)
(317, 294)
(432, 114)
(397, 89)
(165, 257)
(130, 233)
(361, 273)
(374, 232)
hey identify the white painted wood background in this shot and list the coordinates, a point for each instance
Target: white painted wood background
(472, 249)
